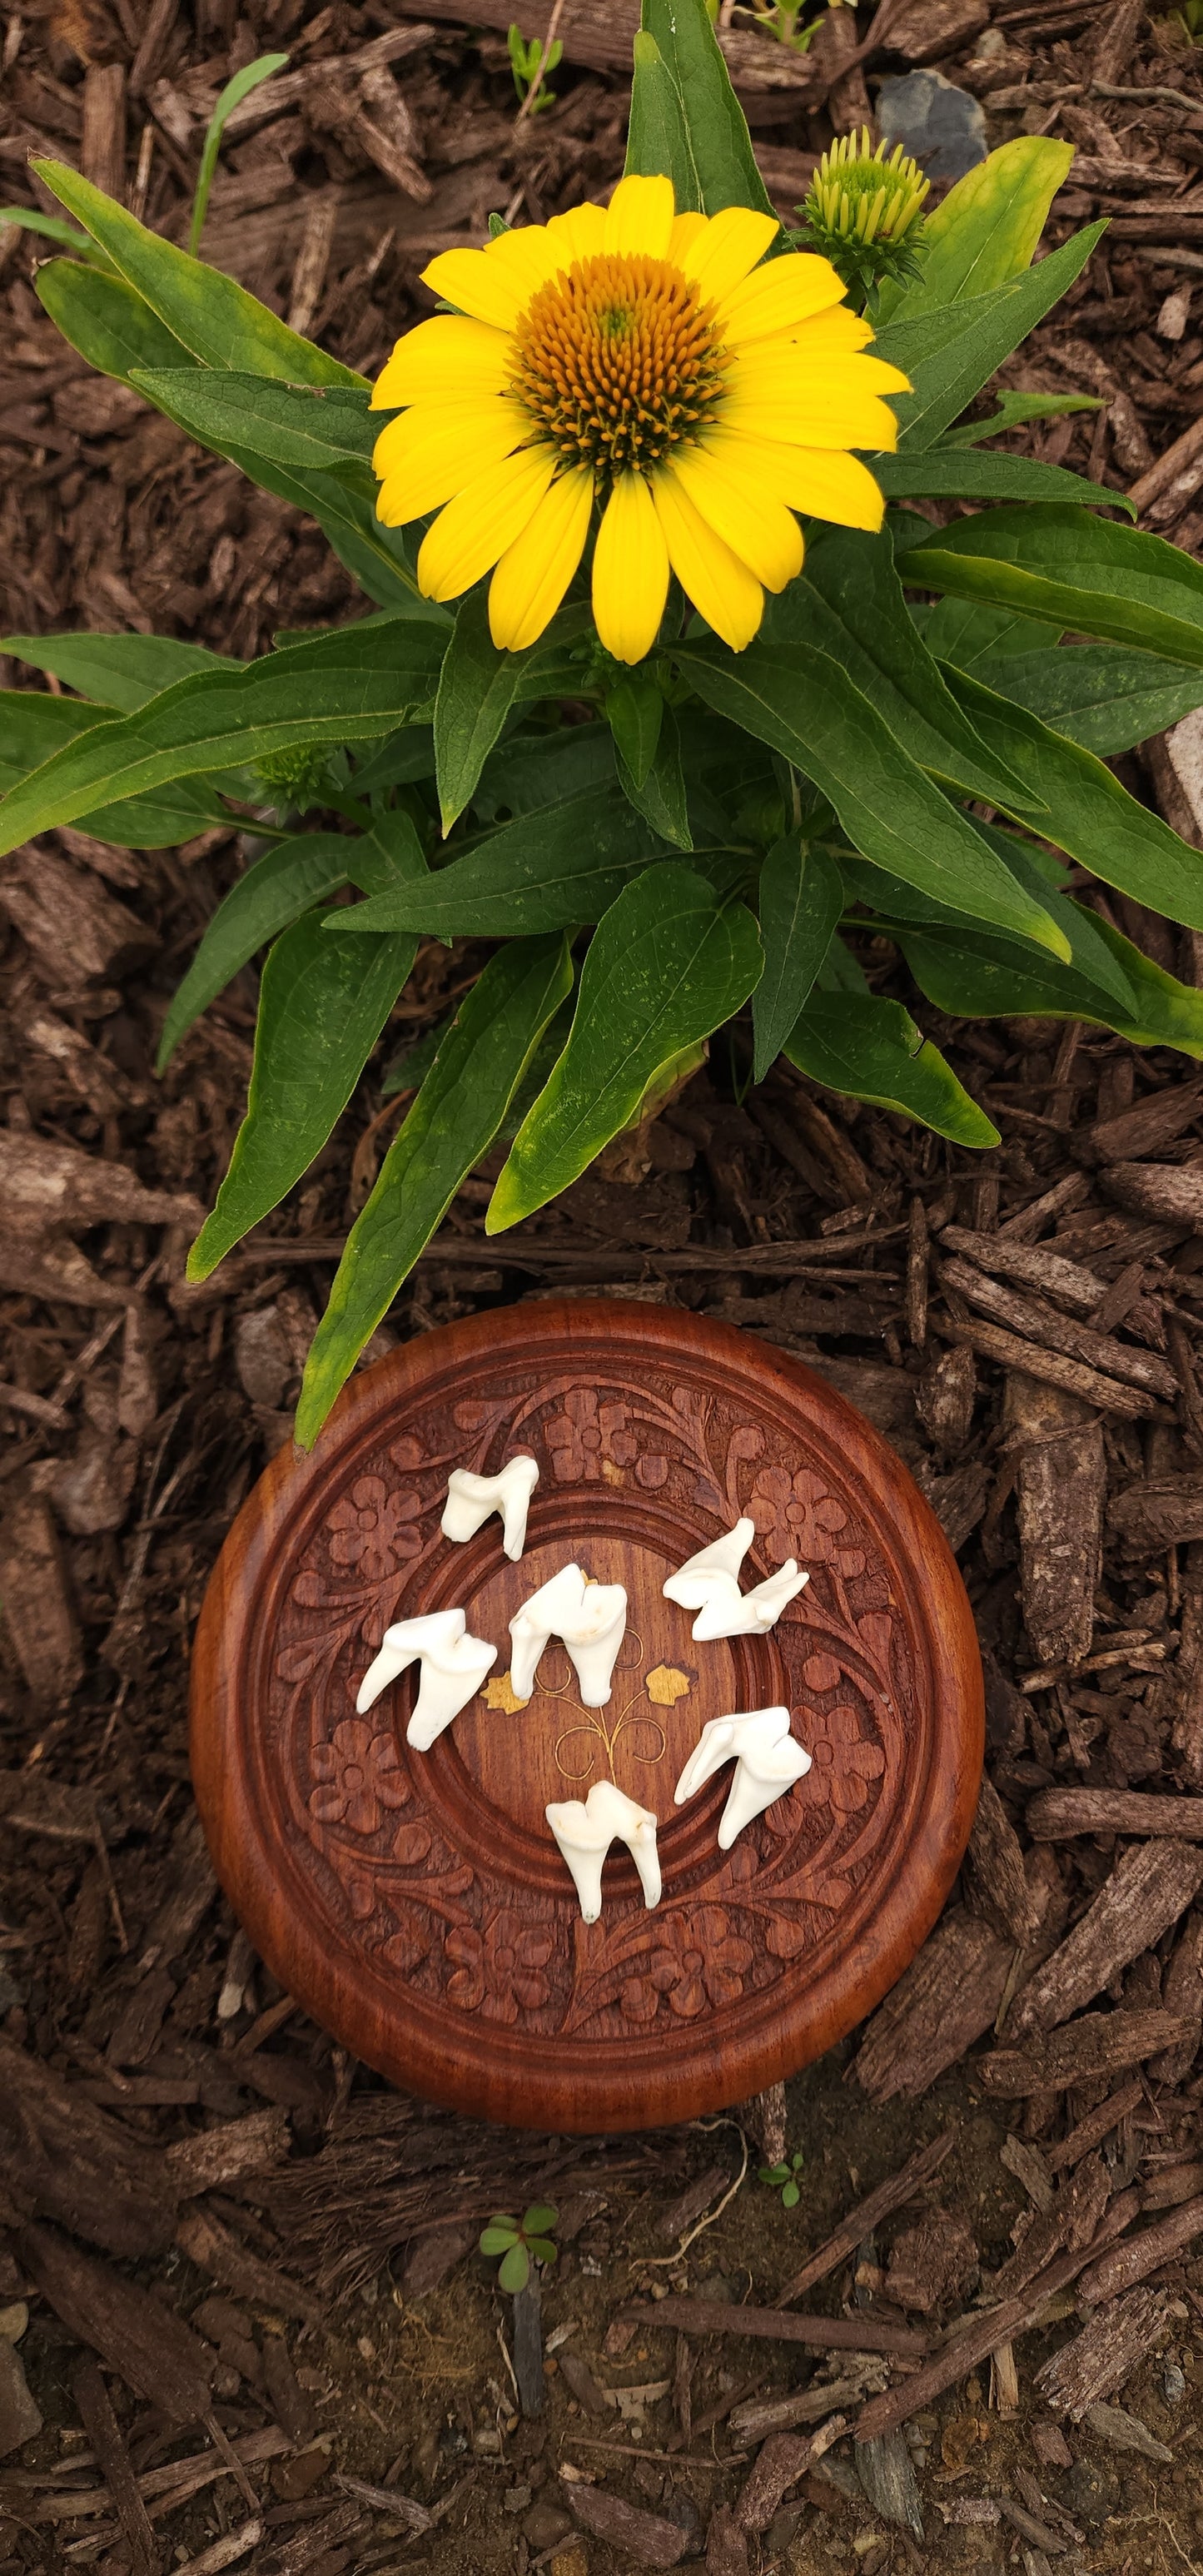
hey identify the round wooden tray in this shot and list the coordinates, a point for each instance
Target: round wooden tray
(415, 1903)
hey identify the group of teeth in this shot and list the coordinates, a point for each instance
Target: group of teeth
(590, 1621)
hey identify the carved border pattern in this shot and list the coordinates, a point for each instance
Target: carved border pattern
(375, 1854)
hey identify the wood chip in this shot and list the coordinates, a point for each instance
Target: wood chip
(1097, 2044)
(1151, 1885)
(20, 2415)
(648, 2538)
(1105, 1393)
(1056, 1815)
(1042, 1322)
(39, 1612)
(1167, 1191)
(862, 2333)
(1097, 2125)
(61, 2158)
(905, 2185)
(216, 2157)
(1121, 2265)
(1125, 2432)
(783, 2459)
(951, 1993)
(135, 2335)
(105, 2436)
(1105, 2354)
(1157, 1120)
(219, 2252)
(995, 1876)
(966, 2344)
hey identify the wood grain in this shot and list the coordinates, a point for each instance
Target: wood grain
(416, 1904)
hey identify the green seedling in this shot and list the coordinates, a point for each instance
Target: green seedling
(784, 2178)
(520, 2242)
(528, 67)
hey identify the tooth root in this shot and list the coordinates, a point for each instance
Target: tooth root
(471, 1499)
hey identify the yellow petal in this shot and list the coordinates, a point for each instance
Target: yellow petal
(630, 571)
(443, 360)
(831, 334)
(478, 285)
(685, 230)
(729, 249)
(779, 296)
(847, 422)
(821, 482)
(527, 257)
(752, 521)
(484, 518)
(721, 587)
(582, 231)
(431, 453)
(784, 371)
(639, 217)
(534, 573)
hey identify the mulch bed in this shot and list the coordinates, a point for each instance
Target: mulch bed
(258, 2333)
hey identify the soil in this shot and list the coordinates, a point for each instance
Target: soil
(357, 2351)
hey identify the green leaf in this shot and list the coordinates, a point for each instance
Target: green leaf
(322, 1004)
(515, 2269)
(315, 427)
(550, 870)
(351, 685)
(497, 2238)
(955, 630)
(1089, 815)
(281, 885)
(210, 313)
(870, 1049)
(122, 671)
(987, 228)
(1102, 697)
(949, 354)
(635, 713)
(117, 332)
(974, 975)
(661, 799)
(477, 689)
(542, 2249)
(1014, 408)
(52, 228)
(849, 602)
(539, 2219)
(34, 726)
(791, 2195)
(964, 473)
(801, 899)
(529, 770)
(453, 1121)
(1086, 952)
(1074, 570)
(686, 121)
(665, 967)
(236, 89)
(804, 704)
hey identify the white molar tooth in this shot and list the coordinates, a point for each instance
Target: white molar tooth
(589, 1618)
(453, 1668)
(709, 1584)
(692, 1583)
(585, 1833)
(470, 1499)
(768, 1760)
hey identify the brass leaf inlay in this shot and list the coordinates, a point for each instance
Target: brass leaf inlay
(500, 1694)
(666, 1685)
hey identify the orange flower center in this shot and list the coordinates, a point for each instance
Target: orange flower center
(617, 361)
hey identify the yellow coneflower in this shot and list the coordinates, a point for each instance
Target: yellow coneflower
(650, 361)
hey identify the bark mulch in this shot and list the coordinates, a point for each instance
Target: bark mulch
(242, 2321)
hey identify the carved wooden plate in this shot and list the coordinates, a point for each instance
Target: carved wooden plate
(416, 1903)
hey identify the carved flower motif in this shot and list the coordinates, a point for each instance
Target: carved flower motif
(373, 1528)
(500, 1967)
(796, 1516)
(587, 1436)
(357, 1774)
(844, 1761)
(700, 1960)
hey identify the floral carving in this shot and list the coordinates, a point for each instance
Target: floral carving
(372, 1527)
(698, 1959)
(589, 1436)
(357, 1775)
(845, 1762)
(799, 1516)
(499, 1968)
